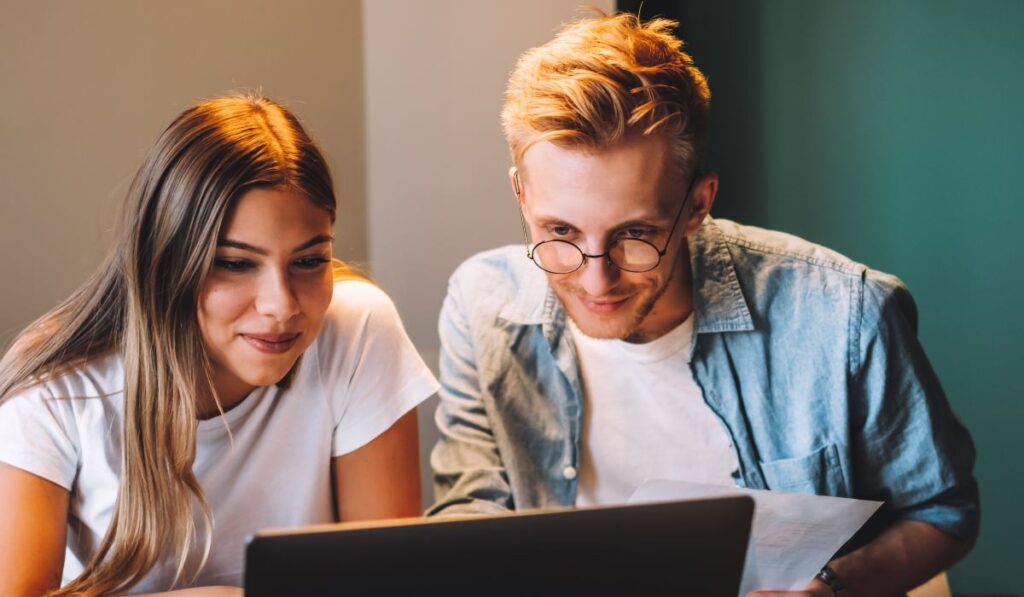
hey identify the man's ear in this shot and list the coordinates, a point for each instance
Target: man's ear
(701, 199)
(517, 186)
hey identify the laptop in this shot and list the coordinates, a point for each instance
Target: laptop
(682, 548)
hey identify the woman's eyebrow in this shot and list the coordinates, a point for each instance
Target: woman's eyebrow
(316, 240)
(237, 244)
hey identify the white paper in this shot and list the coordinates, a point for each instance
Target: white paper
(793, 534)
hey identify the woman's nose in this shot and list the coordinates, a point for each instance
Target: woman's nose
(276, 297)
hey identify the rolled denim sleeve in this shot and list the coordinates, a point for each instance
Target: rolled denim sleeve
(469, 475)
(912, 450)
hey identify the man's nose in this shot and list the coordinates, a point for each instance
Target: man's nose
(598, 276)
(276, 297)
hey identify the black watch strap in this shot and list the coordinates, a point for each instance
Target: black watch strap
(828, 576)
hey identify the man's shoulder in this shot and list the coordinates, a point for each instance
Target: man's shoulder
(503, 261)
(771, 264)
(499, 282)
(775, 248)
(502, 270)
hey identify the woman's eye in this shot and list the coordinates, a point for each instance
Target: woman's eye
(560, 230)
(233, 265)
(312, 263)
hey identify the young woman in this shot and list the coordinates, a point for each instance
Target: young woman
(219, 374)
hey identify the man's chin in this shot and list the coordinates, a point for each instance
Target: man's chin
(615, 325)
(603, 328)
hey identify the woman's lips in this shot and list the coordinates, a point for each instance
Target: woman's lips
(603, 307)
(271, 343)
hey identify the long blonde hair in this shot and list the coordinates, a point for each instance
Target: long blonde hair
(142, 304)
(600, 80)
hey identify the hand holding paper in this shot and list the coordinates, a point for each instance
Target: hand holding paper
(793, 534)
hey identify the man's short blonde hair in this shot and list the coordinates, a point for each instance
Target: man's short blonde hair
(602, 80)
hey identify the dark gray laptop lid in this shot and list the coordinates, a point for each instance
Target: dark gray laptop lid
(682, 548)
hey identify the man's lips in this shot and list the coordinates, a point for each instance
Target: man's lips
(272, 343)
(602, 306)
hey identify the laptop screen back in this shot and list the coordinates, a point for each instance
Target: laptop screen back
(682, 548)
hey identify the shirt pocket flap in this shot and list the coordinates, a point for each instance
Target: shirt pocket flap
(818, 473)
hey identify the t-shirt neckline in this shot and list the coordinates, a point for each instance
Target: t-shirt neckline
(236, 414)
(676, 341)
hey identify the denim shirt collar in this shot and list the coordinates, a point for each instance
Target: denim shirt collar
(719, 303)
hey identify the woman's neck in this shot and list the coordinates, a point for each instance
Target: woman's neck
(230, 391)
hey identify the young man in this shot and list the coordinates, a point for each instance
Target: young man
(638, 338)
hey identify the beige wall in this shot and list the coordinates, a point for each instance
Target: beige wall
(437, 188)
(87, 87)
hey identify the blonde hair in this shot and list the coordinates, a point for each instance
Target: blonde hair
(142, 303)
(604, 79)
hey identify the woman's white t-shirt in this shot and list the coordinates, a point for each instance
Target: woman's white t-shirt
(360, 375)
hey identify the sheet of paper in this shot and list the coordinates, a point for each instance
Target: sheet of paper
(793, 534)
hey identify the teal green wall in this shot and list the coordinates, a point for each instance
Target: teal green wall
(893, 132)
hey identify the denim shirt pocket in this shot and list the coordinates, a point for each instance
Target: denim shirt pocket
(819, 472)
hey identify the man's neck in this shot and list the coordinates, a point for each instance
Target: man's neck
(672, 307)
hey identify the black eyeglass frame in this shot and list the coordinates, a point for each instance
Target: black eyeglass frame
(532, 251)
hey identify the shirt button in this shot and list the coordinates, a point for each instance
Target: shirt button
(569, 472)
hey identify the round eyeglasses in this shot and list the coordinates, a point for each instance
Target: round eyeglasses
(634, 255)
(628, 254)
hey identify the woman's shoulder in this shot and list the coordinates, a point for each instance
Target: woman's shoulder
(362, 318)
(82, 394)
(357, 304)
(98, 377)
(43, 425)
(358, 294)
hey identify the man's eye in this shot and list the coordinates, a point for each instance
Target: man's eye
(636, 232)
(560, 230)
(233, 265)
(312, 263)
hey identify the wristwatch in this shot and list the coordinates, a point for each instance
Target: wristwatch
(829, 577)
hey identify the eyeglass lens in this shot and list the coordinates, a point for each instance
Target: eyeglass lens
(563, 257)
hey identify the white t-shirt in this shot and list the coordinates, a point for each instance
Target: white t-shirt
(644, 417)
(359, 376)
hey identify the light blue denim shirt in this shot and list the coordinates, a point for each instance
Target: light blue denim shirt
(810, 360)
